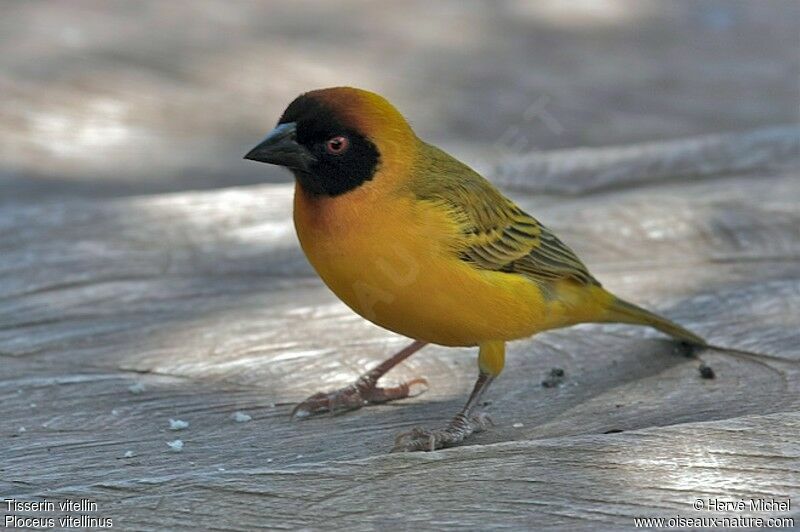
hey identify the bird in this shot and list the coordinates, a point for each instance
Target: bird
(419, 243)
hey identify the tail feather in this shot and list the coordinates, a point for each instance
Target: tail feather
(623, 312)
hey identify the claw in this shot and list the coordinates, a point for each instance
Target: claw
(299, 413)
(419, 380)
(483, 421)
(345, 399)
(364, 390)
(354, 397)
(418, 439)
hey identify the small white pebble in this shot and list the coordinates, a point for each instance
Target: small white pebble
(33, 405)
(136, 388)
(22, 429)
(269, 460)
(128, 454)
(299, 456)
(241, 417)
(517, 425)
(115, 412)
(220, 469)
(177, 424)
(176, 445)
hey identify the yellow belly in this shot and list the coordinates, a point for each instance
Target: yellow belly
(390, 263)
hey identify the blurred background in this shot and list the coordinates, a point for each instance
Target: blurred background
(111, 98)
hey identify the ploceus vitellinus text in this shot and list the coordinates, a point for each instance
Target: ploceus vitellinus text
(417, 242)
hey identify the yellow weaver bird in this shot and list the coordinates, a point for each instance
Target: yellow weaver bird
(417, 242)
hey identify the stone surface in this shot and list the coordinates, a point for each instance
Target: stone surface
(127, 299)
(119, 315)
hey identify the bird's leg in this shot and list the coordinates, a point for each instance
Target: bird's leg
(364, 390)
(490, 362)
(464, 424)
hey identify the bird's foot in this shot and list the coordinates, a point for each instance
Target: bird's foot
(456, 432)
(361, 393)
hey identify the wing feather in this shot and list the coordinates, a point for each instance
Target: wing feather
(495, 234)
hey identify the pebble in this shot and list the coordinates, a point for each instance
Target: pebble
(241, 417)
(176, 446)
(177, 424)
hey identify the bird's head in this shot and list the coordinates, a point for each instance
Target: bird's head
(335, 140)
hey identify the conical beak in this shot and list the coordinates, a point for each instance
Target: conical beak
(281, 148)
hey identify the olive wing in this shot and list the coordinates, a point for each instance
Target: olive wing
(495, 233)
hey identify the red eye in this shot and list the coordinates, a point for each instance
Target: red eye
(337, 145)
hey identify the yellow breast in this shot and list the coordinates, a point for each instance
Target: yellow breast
(388, 260)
